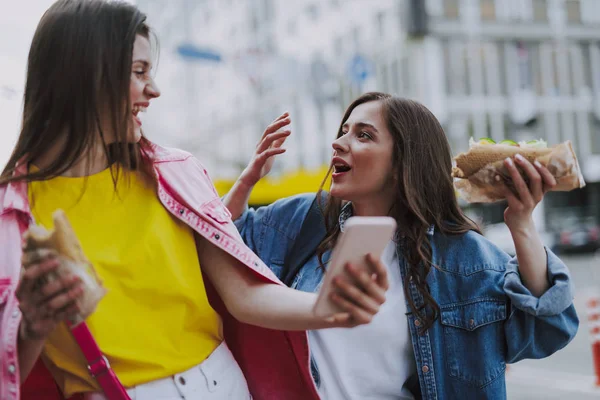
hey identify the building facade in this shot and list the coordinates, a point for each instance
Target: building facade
(504, 69)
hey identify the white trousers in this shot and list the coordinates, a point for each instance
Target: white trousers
(219, 377)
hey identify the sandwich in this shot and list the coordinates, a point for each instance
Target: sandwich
(73, 261)
(476, 170)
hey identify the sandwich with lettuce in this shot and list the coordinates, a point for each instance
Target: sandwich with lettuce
(476, 169)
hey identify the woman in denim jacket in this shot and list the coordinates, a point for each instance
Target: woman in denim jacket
(458, 308)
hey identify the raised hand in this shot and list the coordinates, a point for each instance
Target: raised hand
(269, 146)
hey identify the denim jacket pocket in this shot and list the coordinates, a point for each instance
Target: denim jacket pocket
(474, 340)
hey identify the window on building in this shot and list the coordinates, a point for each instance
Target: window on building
(292, 27)
(312, 11)
(587, 64)
(381, 23)
(488, 10)
(456, 68)
(405, 87)
(540, 10)
(384, 84)
(595, 134)
(447, 66)
(573, 11)
(395, 75)
(502, 67)
(536, 67)
(268, 10)
(338, 46)
(451, 9)
(356, 38)
(590, 12)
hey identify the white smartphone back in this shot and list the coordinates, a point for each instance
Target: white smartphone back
(361, 236)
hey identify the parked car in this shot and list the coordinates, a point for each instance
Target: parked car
(577, 234)
(501, 237)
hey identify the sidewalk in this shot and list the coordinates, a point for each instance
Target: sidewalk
(528, 383)
(569, 373)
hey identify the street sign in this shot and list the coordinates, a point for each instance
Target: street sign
(194, 53)
(359, 69)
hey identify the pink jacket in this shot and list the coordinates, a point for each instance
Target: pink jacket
(275, 363)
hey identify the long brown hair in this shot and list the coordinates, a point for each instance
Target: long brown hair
(424, 196)
(77, 88)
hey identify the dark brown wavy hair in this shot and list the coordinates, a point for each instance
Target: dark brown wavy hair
(77, 88)
(424, 197)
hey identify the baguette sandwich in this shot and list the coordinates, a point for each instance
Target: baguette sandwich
(475, 170)
(72, 261)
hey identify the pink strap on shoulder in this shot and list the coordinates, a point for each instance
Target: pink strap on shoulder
(98, 365)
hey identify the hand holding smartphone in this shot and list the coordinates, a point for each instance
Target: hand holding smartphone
(361, 236)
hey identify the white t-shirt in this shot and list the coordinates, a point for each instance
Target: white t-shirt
(369, 362)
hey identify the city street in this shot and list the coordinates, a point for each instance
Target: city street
(569, 373)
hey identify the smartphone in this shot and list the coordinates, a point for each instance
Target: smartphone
(361, 236)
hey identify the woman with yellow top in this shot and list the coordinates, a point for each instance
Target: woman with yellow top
(179, 278)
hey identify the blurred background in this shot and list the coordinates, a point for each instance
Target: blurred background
(503, 69)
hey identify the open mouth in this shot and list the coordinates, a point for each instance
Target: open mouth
(338, 169)
(136, 110)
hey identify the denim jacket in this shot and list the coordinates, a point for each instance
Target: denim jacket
(488, 317)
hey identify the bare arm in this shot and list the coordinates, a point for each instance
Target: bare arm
(531, 255)
(237, 198)
(260, 165)
(254, 301)
(532, 258)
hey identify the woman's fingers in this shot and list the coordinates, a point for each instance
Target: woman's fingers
(357, 314)
(521, 187)
(62, 300)
(547, 178)
(275, 139)
(36, 256)
(380, 270)
(536, 187)
(351, 291)
(36, 271)
(279, 123)
(30, 277)
(69, 310)
(56, 286)
(512, 199)
(265, 155)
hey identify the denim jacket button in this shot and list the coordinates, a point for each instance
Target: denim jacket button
(425, 369)
(417, 323)
(471, 323)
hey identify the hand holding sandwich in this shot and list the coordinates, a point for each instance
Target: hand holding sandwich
(520, 173)
(45, 302)
(522, 198)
